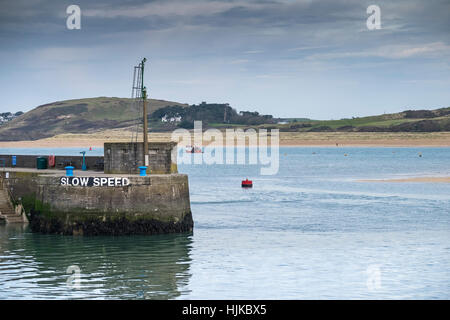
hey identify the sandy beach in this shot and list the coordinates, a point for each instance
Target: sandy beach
(322, 139)
(366, 139)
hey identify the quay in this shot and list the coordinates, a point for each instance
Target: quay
(107, 196)
(114, 201)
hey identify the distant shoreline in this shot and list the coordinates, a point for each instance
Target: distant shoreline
(414, 179)
(287, 139)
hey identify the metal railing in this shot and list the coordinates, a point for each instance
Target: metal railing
(2, 172)
(3, 180)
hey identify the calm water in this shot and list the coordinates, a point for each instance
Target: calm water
(311, 231)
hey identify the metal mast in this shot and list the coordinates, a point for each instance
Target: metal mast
(144, 100)
(139, 96)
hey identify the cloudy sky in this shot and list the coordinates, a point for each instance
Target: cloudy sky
(289, 58)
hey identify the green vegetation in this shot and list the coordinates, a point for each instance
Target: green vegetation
(211, 114)
(406, 121)
(31, 203)
(76, 116)
(103, 113)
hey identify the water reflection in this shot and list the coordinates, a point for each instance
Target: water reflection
(33, 266)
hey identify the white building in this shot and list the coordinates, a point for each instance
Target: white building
(172, 119)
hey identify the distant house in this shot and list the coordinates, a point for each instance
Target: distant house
(6, 117)
(177, 118)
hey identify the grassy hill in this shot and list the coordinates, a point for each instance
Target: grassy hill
(105, 113)
(211, 115)
(76, 116)
(406, 121)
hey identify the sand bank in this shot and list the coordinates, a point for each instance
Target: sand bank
(321, 139)
(416, 179)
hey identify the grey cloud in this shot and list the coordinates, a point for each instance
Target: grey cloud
(280, 40)
(109, 17)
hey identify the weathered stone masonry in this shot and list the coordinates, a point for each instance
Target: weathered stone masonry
(153, 204)
(126, 157)
(149, 205)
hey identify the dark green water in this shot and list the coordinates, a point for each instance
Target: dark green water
(134, 267)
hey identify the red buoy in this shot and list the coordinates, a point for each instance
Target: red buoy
(247, 183)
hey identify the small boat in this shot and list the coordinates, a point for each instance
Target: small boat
(193, 149)
(247, 183)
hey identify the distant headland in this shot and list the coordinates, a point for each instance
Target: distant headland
(92, 121)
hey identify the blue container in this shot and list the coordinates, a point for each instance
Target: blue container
(143, 171)
(69, 171)
(14, 161)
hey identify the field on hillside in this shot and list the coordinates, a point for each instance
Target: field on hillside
(406, 121)
(98, 115)
(76, 116)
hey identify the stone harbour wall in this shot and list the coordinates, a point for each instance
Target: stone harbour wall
(126, 157)
(29, 161)
(153, 204)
